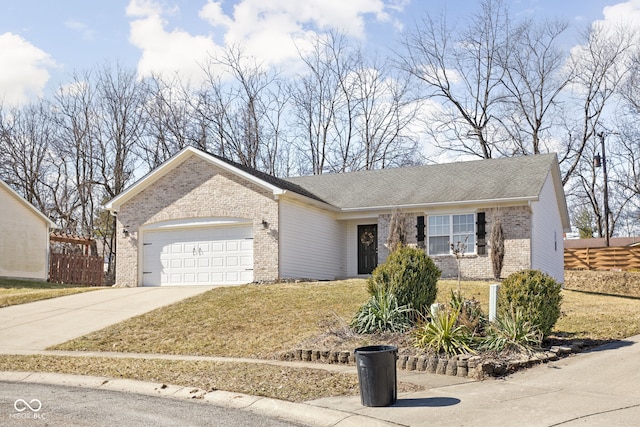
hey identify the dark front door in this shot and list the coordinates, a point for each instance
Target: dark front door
(367, 248)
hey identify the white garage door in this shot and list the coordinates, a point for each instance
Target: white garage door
(198, 256)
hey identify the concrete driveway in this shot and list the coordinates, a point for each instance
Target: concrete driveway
(40, 324)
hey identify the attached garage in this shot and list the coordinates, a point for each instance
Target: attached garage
(197, 256)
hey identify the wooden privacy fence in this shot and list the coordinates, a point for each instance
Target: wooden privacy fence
(76, 269)
(603, 259)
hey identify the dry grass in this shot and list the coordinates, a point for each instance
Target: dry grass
(243, 321)
(13, 291)
(295, 385)
(623, 283)
(598, 317)
(263, 321)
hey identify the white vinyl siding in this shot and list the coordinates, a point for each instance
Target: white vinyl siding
(444, 230)
(547, 249)
(24, 240)
(311, 243)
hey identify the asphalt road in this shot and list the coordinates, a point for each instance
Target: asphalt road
(27, 405)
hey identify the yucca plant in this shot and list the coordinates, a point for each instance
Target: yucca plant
(382, 313)
(442, 334)
(512, 332)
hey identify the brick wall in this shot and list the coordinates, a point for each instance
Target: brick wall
(198, 189)
(384, 222)
(516, 226)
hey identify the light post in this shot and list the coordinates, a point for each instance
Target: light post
(597, 162)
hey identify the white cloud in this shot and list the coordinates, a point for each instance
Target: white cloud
(167, 52)
(82, 28)
(627, 12)
(271, 31)
(24, 69)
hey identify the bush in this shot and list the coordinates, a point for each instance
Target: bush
(382, 314)
(536, 293)
(442, 334)
(410, 275)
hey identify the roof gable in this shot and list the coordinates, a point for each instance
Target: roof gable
(25, 203)
(271, 183)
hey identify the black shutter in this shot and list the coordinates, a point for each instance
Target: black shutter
(481, 233)
(420, 228)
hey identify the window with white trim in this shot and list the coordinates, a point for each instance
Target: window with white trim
(445, 230)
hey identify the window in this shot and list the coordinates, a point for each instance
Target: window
(445, 230)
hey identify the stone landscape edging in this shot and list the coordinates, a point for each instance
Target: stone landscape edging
(462, 365)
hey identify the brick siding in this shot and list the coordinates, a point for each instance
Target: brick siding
(516, 226)
(198, 189)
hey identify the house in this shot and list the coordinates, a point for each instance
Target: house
(200, 219)
(24, 237)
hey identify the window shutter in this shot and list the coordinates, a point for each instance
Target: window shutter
(481, 233)
(420, 228)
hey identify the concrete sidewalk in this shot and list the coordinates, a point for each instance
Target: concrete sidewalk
(601, 387)
(40, 324)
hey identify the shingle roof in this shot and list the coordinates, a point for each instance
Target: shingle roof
(480, 180)
(278, 182)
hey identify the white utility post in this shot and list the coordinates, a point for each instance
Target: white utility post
(493, 301)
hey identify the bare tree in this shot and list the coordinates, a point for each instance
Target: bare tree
(120, 122)
(598, 67)
(76, 188)
(170, 120)
(242, 107)
(461, 68)
(318, 96)
(25, 137)
(534, 79)
(383, 113)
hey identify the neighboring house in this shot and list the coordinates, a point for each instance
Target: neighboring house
(24, 237)
(200, 219)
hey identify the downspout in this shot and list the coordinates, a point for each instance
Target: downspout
(531, 234)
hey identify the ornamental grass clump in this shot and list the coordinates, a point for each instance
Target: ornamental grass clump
(382, 313)
(511, 332)
(442, 334)
(538, 296)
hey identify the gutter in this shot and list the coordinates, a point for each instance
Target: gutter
(527, 199)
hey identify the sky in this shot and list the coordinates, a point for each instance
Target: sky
(43, 43)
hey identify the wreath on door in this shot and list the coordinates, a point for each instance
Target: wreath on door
(367, 238)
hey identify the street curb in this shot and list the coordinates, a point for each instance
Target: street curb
(296, 412)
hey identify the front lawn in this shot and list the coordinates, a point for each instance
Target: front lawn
(266, 320)
(262, 321)
(14, 291)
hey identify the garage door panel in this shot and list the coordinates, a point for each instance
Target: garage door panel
(198, 256)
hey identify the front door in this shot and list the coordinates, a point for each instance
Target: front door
(367, 248)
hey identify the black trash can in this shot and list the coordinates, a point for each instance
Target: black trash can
(377, 374)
